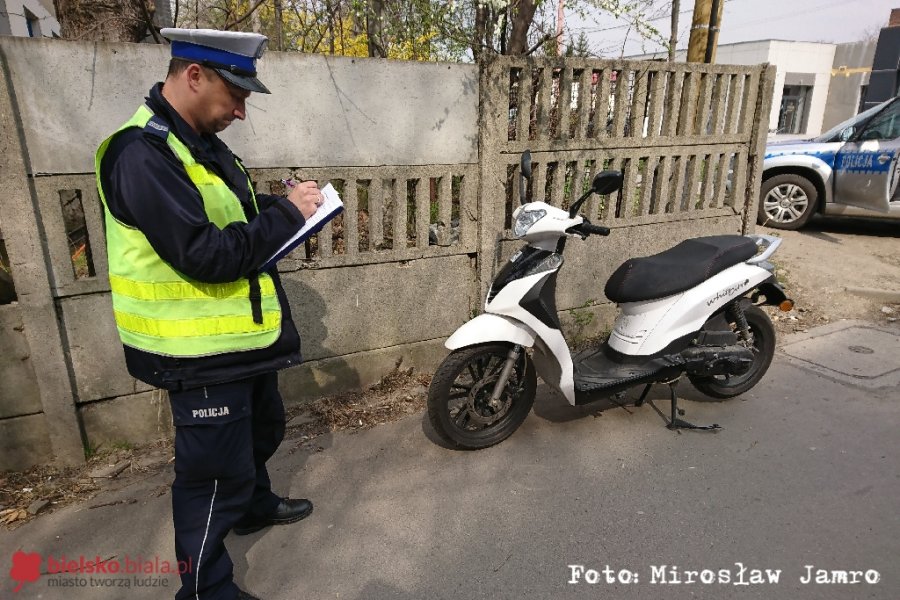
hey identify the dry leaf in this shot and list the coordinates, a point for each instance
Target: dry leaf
(15, 514)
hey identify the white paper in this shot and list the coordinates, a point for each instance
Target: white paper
(331, 206)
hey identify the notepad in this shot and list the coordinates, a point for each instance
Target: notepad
(330, 208)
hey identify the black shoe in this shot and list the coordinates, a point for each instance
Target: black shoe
(242, 595)
(289, 510)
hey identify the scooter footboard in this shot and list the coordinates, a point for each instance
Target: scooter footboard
(490, 328)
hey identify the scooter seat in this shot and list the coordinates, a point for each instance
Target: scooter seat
(677, 269)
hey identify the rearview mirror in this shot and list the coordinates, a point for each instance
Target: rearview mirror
(524, 176)
(525, 163)
(606, 182)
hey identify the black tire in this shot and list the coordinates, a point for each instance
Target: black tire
(722, 387)
(786, 202)
(461, 388)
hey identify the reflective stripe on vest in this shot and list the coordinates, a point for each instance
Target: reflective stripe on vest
(160, 310)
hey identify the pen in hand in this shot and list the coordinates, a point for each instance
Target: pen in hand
(305, 195)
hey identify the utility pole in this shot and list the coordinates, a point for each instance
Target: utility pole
(712, 38)
(705, 31)
(699, 30)
(673, 38)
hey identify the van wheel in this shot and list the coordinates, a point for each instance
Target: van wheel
(786, 202)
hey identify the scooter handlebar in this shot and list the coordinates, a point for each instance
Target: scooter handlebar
(585, 229)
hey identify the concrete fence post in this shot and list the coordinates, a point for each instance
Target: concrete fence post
(32, 275)
(758, 135)
(492, 112)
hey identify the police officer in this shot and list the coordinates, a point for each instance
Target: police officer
(186, 237)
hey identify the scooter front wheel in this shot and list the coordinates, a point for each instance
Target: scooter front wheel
(460, 405)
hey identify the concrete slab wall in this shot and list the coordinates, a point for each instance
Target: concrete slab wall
(338, 312)
(415, 148)
(356, 309)
(98, 361)
(18, 384)
(24, 238)
(130, 419)
(323, 111)
(24, 441)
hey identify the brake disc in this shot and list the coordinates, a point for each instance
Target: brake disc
(476, 396)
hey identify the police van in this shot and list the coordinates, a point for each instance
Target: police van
(850, 170)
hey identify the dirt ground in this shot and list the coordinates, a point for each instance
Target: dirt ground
(816, 265)
(819, 264)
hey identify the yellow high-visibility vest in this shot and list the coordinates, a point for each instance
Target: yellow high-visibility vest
(159, 310)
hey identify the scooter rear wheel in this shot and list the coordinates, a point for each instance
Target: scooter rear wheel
(459, 405)
(722, 387)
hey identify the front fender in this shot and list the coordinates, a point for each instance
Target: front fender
(488, 327)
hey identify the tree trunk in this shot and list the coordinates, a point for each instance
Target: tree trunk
(518, 37)
(255, 22)
(673, 37)
(375, 28)
(279, 22)
(104, 20)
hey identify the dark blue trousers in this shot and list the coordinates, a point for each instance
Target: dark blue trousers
(224, 434)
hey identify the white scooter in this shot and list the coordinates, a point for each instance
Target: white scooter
(692, 309)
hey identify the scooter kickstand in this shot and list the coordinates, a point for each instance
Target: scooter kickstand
(675, 422)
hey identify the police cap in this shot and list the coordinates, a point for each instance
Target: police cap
(231, 54)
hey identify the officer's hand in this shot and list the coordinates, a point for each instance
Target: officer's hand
(306, 197)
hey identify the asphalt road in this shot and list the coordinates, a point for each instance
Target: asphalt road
(804, 476)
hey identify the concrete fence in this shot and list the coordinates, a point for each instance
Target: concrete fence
(425, 157)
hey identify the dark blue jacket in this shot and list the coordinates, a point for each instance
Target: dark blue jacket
(147, 187)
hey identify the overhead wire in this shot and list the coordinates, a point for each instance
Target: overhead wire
(625, 25)
(587, 30)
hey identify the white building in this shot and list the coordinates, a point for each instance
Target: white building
(801, 81)
(28, 18)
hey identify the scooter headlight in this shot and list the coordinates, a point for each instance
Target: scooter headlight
(526, 219)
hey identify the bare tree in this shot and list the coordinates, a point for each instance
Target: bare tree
(404, 29)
